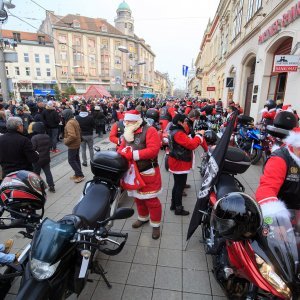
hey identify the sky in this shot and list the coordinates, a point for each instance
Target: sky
(174, 29)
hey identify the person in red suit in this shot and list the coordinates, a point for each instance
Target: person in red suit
(269, 112)
(189, 107)
(121, 112)
(142, 144)
(181, 159)
(116, 133)
(166, 114)
(279, 186)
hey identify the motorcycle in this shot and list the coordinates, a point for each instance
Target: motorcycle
(59, 270)
(263, 266)
(249, 138)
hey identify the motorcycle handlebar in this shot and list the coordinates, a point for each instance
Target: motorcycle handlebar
(117, 234)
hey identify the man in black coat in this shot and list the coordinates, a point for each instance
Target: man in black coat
(16, 151)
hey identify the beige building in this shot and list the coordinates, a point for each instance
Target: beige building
(162, 84)
(250, 37)
(34, 72)
(87, 52)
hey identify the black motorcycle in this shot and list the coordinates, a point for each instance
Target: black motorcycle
(62, 252)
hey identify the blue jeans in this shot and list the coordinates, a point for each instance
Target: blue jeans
(87, 140)
(53, 132)
(5, 258)
(49, 178)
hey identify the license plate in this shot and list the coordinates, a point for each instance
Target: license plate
(84, 267)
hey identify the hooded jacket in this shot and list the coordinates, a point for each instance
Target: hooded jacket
(50, 117)
(72, 130)
(86, 123)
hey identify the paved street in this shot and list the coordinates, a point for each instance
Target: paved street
(145, 269)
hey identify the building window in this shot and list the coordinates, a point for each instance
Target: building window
(77, 56)
(41, 40)
(38, 72)
(27, 71)
(91, 43)
(7, 73)
(17, 71)
(117, 60)
(63, 55)
(64, 70)
(77, 41)
(47, 59)
(104, 28)
(104, 44)
(238, 17)
(125, 25)
(37, 58)
(92, 71)
(48, 72)
(92, 58)
(76, 24)
(17, 37)
(117, 45)
(253, 7)
(26, 57)
(62, 39)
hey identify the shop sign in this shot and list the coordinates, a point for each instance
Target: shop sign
(131, 84)
(287, 18)
(38, 92)
(211, 88)
(286, 63)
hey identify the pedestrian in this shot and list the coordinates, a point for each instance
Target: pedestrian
(86, 123)
(116, 133)
(3, 128)
(25, 117)
(41, 143)
(141, 143)
(16, 151)
(72, 139)
(99, 120)
(51, 120)
(181, 159)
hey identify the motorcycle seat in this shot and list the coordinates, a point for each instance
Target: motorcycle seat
(94, 206)
(225, 185)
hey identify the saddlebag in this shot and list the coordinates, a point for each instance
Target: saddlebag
(236, 161)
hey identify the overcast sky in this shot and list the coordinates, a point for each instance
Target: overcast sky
(174, 29)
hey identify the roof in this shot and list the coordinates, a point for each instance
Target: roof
(123, 6)
(25, 36)
(96, 90)
(86, 23)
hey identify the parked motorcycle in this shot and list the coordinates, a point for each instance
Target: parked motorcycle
(254, 256)
(61, 254)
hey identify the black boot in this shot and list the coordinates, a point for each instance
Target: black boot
(179, 211)
(172, 207)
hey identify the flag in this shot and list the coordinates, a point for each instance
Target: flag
(213, 170)
(185, 70)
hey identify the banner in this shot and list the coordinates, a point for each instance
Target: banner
(185, 70)
(286, 63)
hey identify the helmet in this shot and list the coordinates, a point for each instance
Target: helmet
(270, 104)
(23, 191)
(285, 120)
(236, 216)
(210, 137)
(152, 114)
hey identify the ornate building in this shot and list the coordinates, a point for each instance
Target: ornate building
(87, 52)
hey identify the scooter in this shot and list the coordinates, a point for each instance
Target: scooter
(61, 255)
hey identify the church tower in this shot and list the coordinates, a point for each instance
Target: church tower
(124, 22)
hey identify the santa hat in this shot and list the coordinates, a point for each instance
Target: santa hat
(293, 138)
(132, 115)
(189, 103)
(288, 107)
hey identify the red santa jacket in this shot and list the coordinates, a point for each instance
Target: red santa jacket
(187, 110)
(269, 114)
(181, 138)
(113, 135)
(120, 115)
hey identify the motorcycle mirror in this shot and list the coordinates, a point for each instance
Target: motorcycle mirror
(122, 213)
(97, 149)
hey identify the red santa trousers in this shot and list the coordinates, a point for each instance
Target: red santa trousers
(149, 207)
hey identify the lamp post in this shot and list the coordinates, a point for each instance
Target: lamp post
(133, 69)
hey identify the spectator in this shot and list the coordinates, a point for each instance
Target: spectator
(51, 120)
(18, 153)
(99, 121)
(3, 128)
(25, 117)
(86, 123)
(72, 139)
(41, 143)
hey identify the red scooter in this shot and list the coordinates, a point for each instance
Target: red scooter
(263, 266)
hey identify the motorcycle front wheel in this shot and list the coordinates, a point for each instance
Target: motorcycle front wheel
(255, 156)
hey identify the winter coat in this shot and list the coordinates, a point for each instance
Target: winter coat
(72, 134)
(86, 123)
(99, 117)
(2, 127)
(41, 143)
(16, 153)
(51, 118)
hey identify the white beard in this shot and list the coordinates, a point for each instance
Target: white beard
(130, 129)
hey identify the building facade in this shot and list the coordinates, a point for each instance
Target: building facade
(257, 34)
(162, 85)
(34, 72)
(87, 52)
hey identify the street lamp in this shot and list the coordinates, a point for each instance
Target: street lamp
(133, 68)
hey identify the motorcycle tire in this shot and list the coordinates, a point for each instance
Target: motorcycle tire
(167, 162)
(256, 156)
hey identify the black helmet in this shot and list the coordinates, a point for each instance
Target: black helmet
(285, 120)
(210, 137)
(152, 114)
(270, 104)
(236, 216)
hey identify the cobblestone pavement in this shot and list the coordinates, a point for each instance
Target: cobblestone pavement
(146, 268)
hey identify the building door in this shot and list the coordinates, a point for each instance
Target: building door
(249, 90)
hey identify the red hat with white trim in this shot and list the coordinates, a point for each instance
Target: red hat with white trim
(132, 115)
(293, 138)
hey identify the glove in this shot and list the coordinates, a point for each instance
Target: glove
(127, 153)
(274, 208)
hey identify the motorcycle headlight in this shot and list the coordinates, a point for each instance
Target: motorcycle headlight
(273, 279)
(42, 270)
(165, 140)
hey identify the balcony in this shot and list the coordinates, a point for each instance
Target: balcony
(79, 76)
(105, 77)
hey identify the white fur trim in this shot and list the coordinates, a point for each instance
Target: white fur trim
(275, 208)
(179, 172)
(143, 219)
(137, 195)
(199, 136)
(154, 224)
(263, 110)
(293, 139)
(294, 157)
(135, 155)
(132, 117)
(275, 147)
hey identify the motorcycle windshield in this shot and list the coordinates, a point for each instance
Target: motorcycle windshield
(280, 242)
(51, 241)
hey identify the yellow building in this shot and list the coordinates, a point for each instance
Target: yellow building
(162, 84)
(87, 52)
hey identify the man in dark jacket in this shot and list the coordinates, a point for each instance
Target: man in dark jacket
(86, 123)
(16, 151)
(42, 143)
(51, 120)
